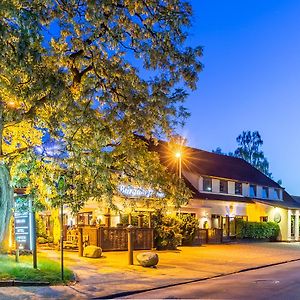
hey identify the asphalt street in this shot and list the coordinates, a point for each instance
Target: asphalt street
(276, 282)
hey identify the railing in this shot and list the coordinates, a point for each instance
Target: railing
(208, 236)
(116, 238)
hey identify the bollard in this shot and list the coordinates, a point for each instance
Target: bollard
(80, 242)
(130, 244)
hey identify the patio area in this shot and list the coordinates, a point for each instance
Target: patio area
(111, 274)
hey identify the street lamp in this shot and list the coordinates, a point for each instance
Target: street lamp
(178, 155)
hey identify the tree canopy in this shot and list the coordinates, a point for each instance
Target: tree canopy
(249, 149)
(94, 74)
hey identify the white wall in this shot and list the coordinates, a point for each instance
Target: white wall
(246, 189)
(215, 185)
(231, 187)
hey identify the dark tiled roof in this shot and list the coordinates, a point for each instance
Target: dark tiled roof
(215, 165)
(288, 202)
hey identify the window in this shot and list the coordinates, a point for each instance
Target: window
(265, 192)
(263, 219)
(223, 186)
(84, 218)
(207, 184)
(277, 194)
(238, 188)
(252, 190)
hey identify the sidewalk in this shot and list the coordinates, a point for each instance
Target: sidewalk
(111, 275)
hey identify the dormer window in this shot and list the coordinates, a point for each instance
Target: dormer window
(224, 186)
(265, 192)
(238, 188)
(207, 184)
(253, 192)
(277, 194)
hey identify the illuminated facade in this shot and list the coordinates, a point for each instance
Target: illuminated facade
(224, 189)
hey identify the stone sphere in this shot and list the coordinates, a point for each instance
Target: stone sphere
(147, 259)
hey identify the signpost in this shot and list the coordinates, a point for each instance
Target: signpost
(25, 228)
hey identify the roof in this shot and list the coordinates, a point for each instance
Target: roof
(205, 163)
(216, 165)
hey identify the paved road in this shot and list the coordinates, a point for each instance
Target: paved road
(276, 282)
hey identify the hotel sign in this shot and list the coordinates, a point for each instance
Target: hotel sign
(137, 192)
(23, 228)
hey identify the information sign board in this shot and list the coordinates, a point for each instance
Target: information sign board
(23, 222)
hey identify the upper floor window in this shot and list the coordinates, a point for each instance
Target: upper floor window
(277, 194)
(207, 184)
(253, 192)
(223, 186)
(265, 192)
(238, 188)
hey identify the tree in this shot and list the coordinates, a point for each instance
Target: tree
(249, 144)
(94, 73)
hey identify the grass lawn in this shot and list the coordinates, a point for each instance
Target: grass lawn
(48, 270)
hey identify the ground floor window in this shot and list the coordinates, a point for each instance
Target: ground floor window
(263, 219)
(84, 218)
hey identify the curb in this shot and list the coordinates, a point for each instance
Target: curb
(128, 293)
(4, 283)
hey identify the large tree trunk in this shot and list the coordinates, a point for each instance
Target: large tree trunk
(6, 203)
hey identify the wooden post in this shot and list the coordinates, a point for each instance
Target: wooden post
(129, 219)
(150, 219)
(107, 220)
(130, 244)
(80, 242)
(140, 220)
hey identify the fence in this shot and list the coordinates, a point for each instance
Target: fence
(116, 238)
(208, 236)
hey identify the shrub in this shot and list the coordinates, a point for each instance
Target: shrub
(188, 227)
(42, 240)
(257, 230)
(166, 231)
(40, 227)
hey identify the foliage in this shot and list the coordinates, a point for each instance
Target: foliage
(42, 240)
(40, 227)
(257, 230)
(188, 227)
(48, 270)
(249, 144)
(166, 231)
(93, 73)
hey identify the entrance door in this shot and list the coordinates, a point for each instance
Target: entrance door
(228, 226)
(293, 218)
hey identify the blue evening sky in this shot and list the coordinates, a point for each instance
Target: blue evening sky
(251, 80)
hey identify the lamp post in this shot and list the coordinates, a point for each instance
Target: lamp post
(61, 189)
(178, 155)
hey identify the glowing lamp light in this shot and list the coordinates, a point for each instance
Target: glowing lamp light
(178, 154)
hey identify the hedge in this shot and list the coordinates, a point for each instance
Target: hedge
(257, 230)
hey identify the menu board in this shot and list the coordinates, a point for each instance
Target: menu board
(23, 223)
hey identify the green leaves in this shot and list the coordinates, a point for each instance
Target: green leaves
(95, 73)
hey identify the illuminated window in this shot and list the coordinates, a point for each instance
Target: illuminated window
(265, 192)
(252, 190)
(223, 186)
(277, 194)
(238, 188)
(207, 184)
